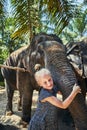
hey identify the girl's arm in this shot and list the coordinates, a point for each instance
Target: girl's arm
(63, 104)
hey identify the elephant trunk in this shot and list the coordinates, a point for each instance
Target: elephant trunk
(65, 78)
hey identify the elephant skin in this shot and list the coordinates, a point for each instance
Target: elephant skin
(77, 56)
(19, 80)
(64, 77)
(25, 57)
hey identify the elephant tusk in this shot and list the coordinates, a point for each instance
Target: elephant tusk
(37, 67)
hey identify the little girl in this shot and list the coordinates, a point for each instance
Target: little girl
(46, 115)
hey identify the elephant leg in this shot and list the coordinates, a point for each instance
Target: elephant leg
(86, 83)
(67, 118)
(9, 95)
(24, 85)
(26, 105)
(19, 107)
(19, 84)
(65, 122)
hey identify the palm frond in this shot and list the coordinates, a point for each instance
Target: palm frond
(26, 15)
(60, 12)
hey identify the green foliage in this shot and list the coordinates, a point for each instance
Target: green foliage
(76, 29)
(26, 17)
(2, 84)
(3, 54)
(33, 16)
(59, 13)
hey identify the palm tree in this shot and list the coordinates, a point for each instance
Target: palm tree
(77, 28)
(7, 25)
(60, 12)
(29, 13)
(26, 17)
(2, 20)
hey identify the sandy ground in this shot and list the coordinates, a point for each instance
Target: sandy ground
(13, 122)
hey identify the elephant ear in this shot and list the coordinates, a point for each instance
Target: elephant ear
(36, 59)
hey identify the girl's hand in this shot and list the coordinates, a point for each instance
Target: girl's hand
(76, 88)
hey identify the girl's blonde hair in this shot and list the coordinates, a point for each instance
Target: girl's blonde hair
(41, 73)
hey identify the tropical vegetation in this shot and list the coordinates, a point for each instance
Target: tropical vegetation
(20, 20)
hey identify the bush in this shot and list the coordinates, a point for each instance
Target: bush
(2, 84)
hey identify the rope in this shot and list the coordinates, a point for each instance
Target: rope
(15, 68)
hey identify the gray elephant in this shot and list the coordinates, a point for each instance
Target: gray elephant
(77, 56)
(25, 57)
(25, 83)
(77, 53)
(56, 61)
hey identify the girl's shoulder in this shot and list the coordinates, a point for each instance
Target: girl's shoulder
(44, 93)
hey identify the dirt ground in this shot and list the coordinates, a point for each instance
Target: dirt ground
(13, 122)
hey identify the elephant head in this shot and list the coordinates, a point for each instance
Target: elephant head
(56, 61)
(77, 55)
(35, 55)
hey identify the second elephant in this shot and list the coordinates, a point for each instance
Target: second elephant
(56, 61)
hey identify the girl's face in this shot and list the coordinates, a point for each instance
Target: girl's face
(46, 82)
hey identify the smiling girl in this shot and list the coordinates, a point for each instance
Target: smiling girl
(46, 115)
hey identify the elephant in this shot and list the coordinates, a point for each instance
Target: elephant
(55, 58)
(77, 56)
(11, 77)
(25, 57)
(77, 53)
